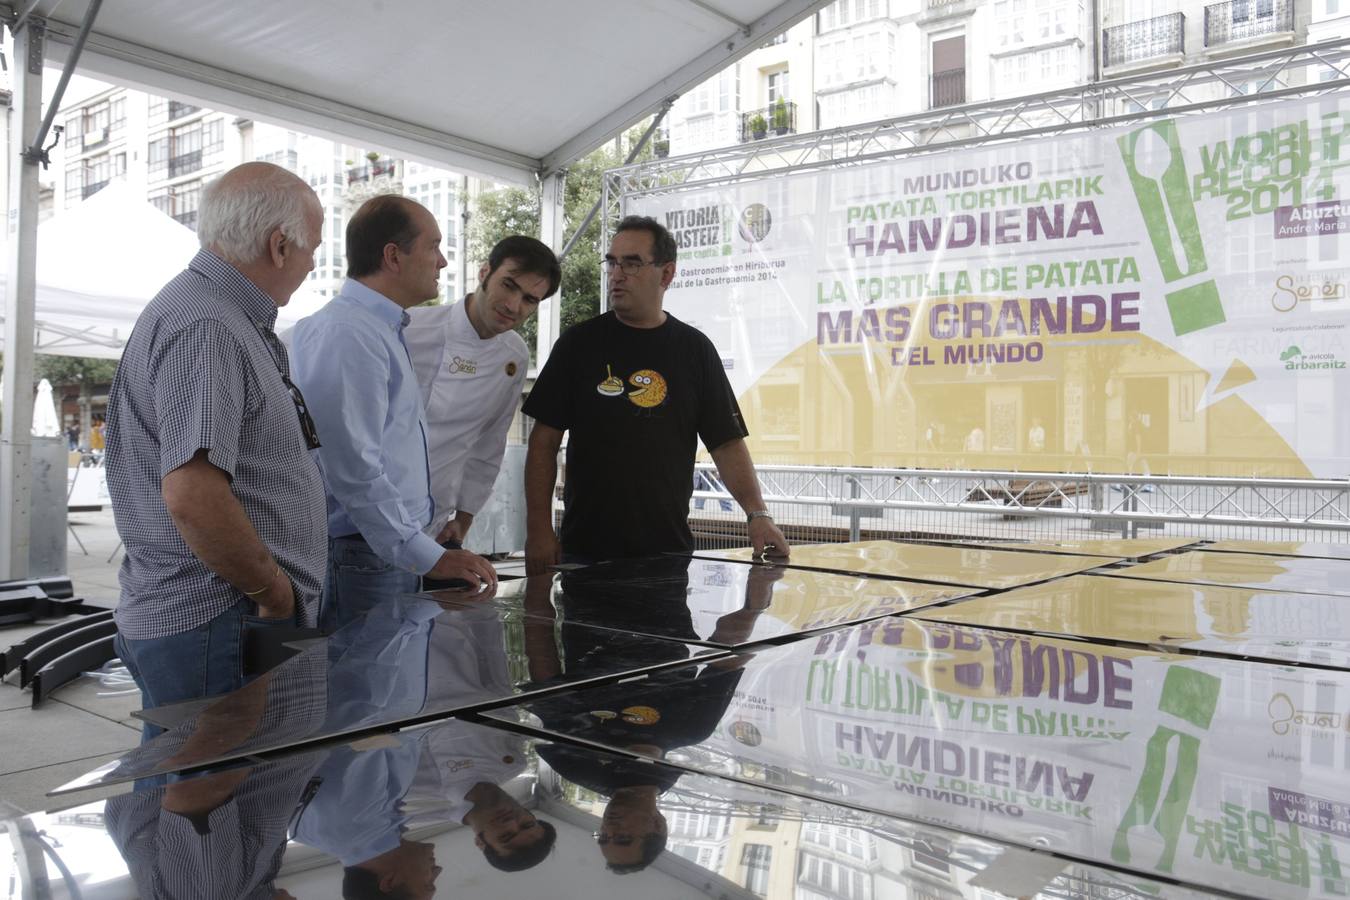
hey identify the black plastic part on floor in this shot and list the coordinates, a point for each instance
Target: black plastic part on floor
(26, 605)
(9, 659)
(70, 666)
(58, 587)
(59, 646)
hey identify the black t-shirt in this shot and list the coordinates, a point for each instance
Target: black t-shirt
(634, 400)
(680, 709)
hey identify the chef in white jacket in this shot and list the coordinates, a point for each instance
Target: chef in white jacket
(471, 365)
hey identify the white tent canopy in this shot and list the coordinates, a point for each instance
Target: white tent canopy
(501, 90)
(100, 263)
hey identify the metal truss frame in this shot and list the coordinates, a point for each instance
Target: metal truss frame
(1184, 90)
(1123, 501)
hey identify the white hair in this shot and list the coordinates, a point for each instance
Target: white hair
(237, 215)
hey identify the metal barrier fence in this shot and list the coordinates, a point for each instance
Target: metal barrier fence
(823, 505)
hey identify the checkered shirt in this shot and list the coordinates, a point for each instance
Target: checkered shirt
(203, 371)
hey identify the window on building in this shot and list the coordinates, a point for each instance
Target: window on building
(756, 859)
(948, 65)
(778, 86)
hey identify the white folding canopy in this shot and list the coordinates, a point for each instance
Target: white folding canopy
(500, 89)
(510, 90)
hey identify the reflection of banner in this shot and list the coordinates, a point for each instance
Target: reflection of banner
(1215, 771)
(1164, 297)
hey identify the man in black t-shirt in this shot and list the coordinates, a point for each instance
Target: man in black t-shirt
(637, 388)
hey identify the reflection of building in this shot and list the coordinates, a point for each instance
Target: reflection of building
(761, 853)
(836, 861)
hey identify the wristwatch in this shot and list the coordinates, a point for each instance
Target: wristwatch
(757, 514)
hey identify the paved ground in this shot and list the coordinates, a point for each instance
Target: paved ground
(83, 724)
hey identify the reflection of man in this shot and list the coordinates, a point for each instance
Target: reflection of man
(374, 792)
(217, 500)
(217, 836)
(352, 363)
(637, 389)
(471, 365)
(680, 711)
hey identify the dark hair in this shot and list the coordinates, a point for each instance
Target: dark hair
(382, 220)
(532, 256)
(363, 884)
(652, 845)
(663, 245)
(526, 857)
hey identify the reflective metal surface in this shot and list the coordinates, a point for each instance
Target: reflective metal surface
(1308, 628)
(411, 659)
(1217, 773)
(1282, 548)
(463, 810)
(926, 562)
(724, 604)
(1274, 573)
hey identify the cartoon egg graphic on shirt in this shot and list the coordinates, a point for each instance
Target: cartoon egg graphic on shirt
(651, 388)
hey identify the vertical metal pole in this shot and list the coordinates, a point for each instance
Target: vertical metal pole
(16, 443)
(551, 221)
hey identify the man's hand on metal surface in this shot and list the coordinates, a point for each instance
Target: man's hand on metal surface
(766, 540)
(464, 565)
(542, 550)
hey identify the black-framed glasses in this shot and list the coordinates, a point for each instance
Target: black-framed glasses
(626, 840)
(628, 265)
(306, 420)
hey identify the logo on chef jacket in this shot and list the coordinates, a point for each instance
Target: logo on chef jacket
(459, 364)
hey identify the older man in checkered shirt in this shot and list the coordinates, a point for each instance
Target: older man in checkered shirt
(215, 492)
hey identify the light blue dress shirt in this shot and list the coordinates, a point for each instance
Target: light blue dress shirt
(350, 362)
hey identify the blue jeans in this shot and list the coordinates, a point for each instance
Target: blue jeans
(357, 581)
(206, 661)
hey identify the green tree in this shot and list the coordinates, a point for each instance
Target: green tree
(84, 371)
(506, 211)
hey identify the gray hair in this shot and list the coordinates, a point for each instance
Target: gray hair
(240, 210)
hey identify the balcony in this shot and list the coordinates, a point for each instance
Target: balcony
(1137, 42)
(777, 118)
(949, 88)
(372, 171)
(1244, 20)
(93, 188)
(94, 137)
(178, 110)
(185, 163)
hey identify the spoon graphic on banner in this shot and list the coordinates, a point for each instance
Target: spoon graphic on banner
(1152, 158)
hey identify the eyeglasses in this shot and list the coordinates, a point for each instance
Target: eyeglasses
(306, 420)
(628, 265)
(626, 840)
(307, 428)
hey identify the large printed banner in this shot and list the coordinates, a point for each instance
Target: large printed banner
(1164, 297)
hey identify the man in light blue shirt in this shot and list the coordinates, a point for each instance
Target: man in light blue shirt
(351, 362)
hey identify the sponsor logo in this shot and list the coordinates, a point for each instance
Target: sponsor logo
(1285, 717)
(756, 221)
(1292, 290)
(1295, 359)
